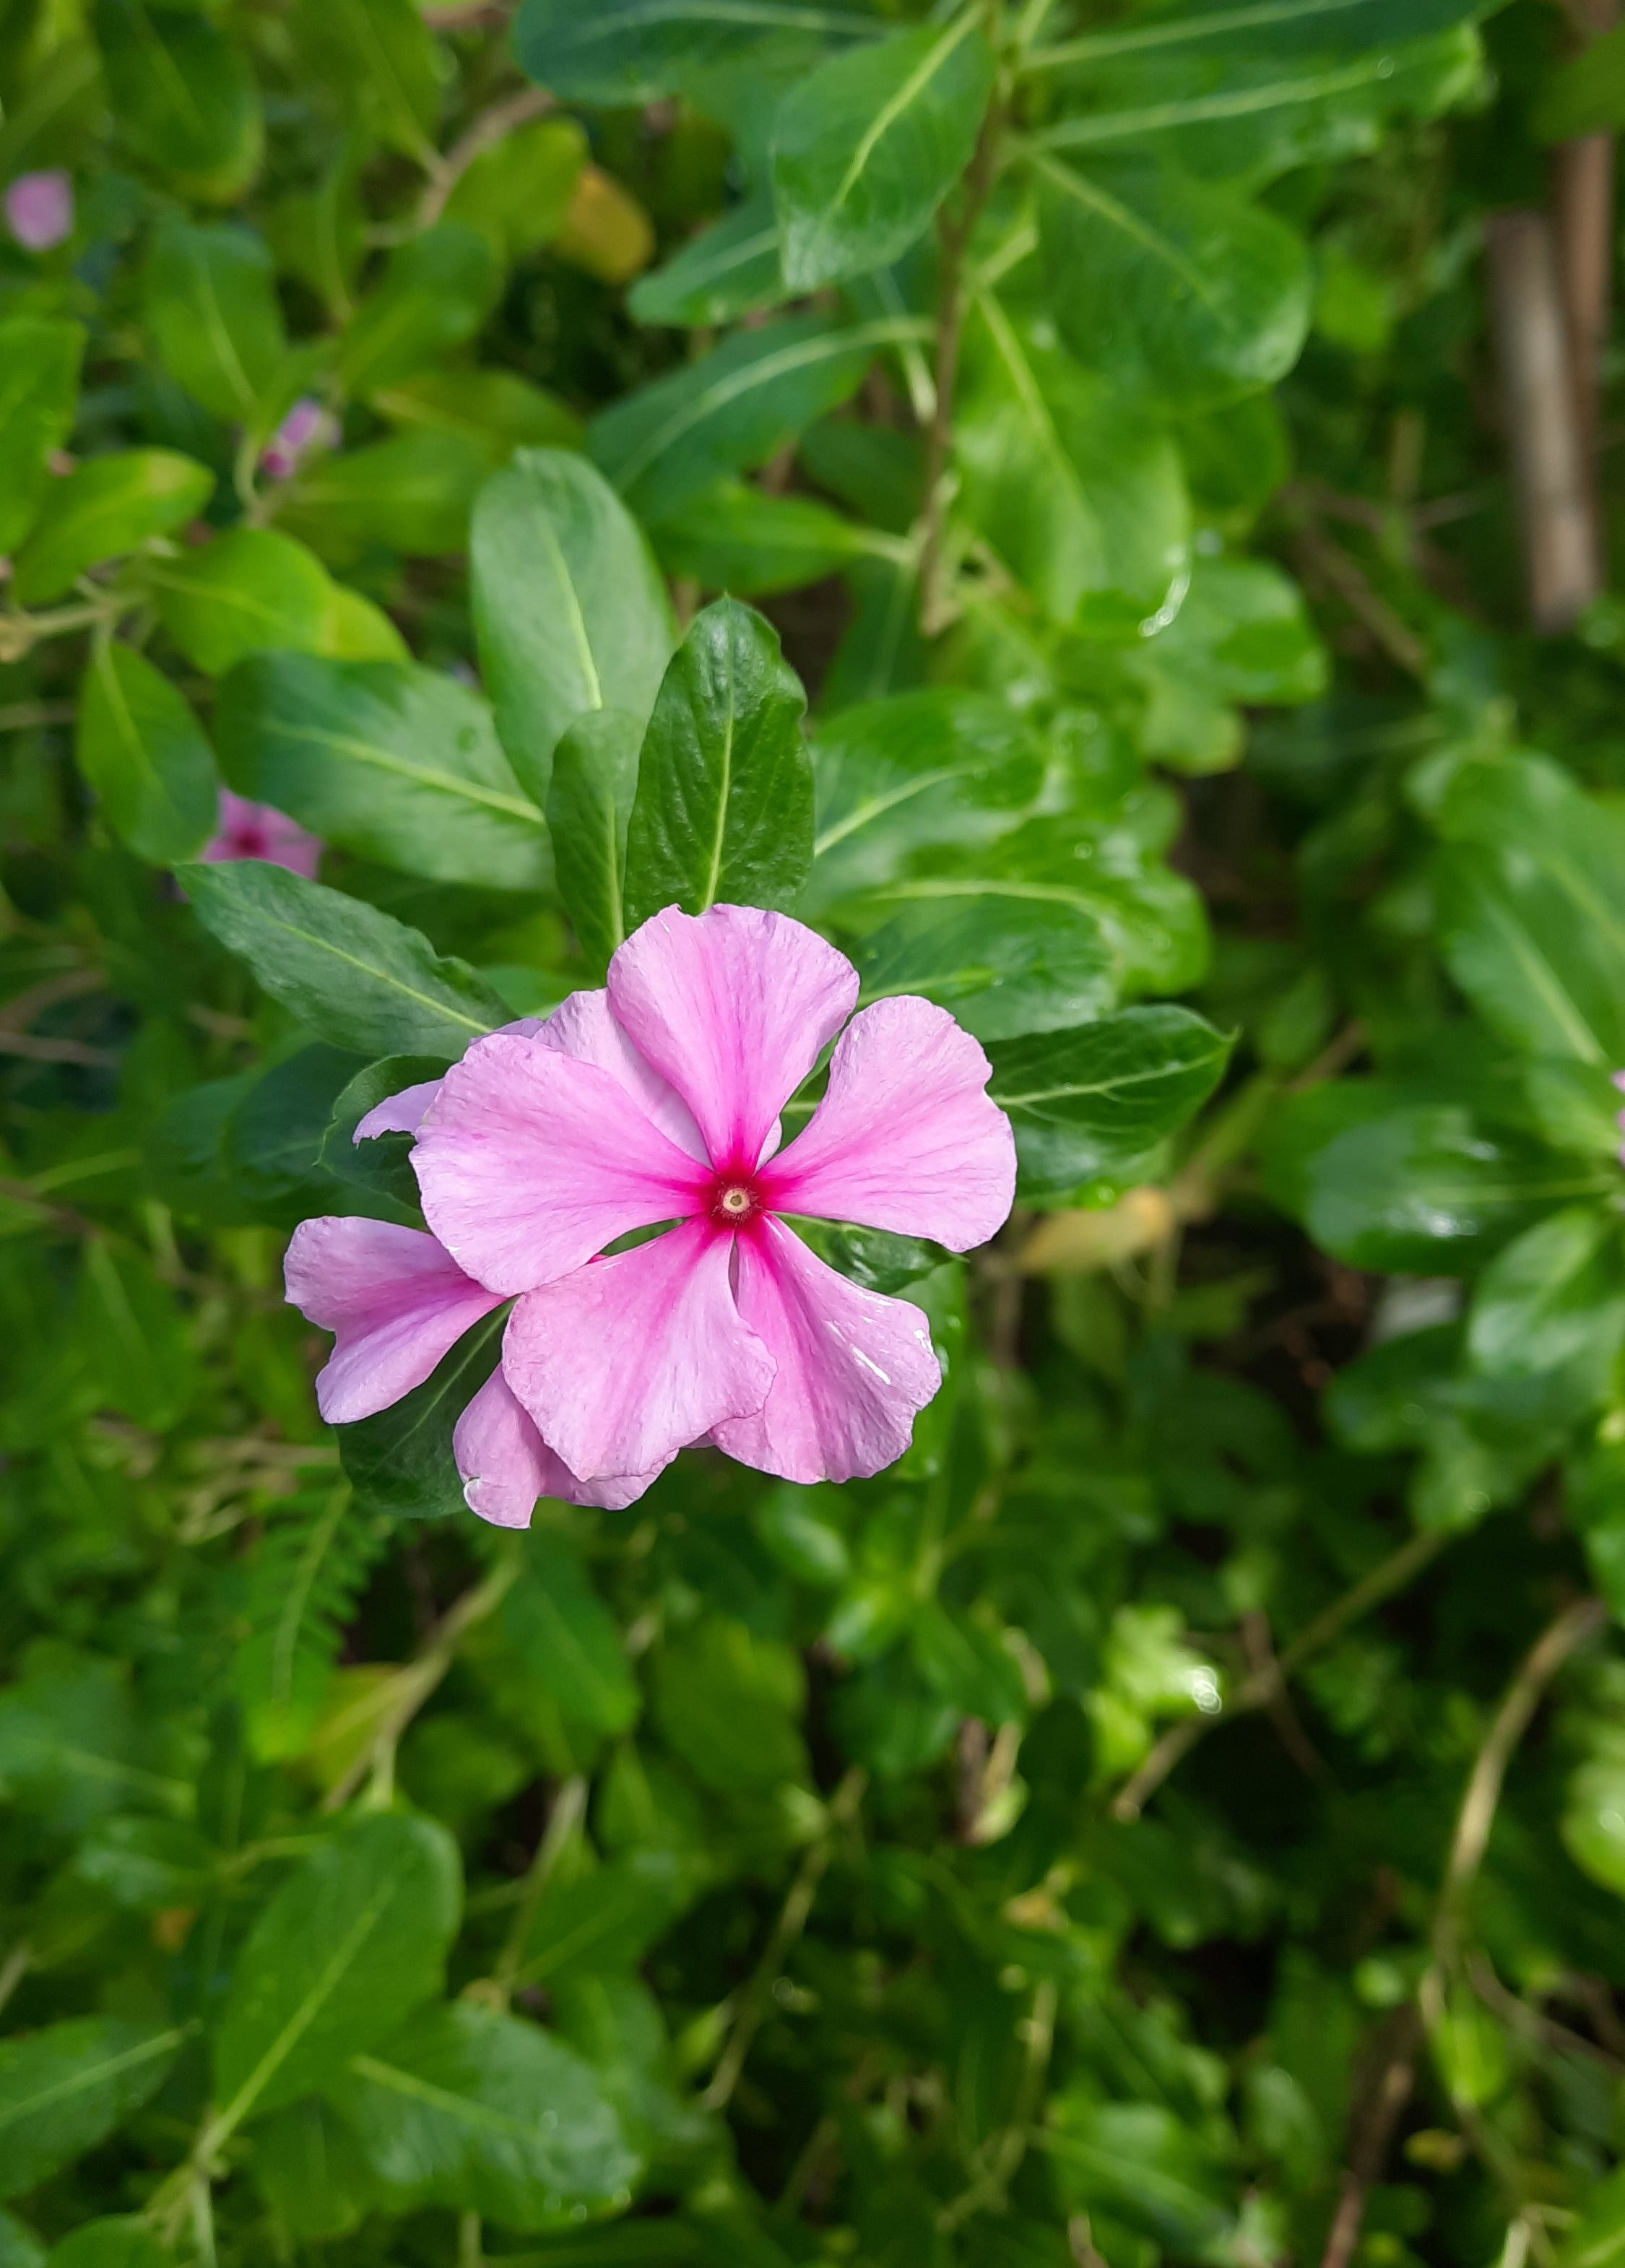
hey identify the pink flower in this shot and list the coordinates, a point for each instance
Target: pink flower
(254, 831)
(39, 210)
(307, 425)
(655, 1104)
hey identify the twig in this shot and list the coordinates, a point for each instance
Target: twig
(792, 1920)
(23, 716)
(1261, 1656)
(1393, 2091)
(1257, 1690)
(1534, 2021)
(565, 1817)
(14, 1967)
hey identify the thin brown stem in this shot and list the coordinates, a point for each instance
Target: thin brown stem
(491, 127)
(1389, 2098)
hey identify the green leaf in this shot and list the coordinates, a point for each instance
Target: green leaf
(381, 58)
(1530, 889)
(1140, 2163)
(182, 95)
(384, 758)
(309, 2169)
(146, 756)
(1598, 2239)
(635, 51)
(411, 493)
(19, 2246)
(400, 1462)
(117, 2242)
(726, 1702)
(734, 407)
(106, 506)
(867, 148)
(603, 1923)
(1586, 93)
(874, 1257)
(589, 804)
(68, 1746)
(209, 298)
(495, 409)
(1088, 1104)
(729, 269)
(353, 1940)
(897, 775)
(570, 612)
(567, 1640)
(1242, 635)
(967, 1665)
(66, 2086)
(250, 589)
(382, 1163)
(1031, 966)
(1180, 292)
(272, 1149)
(487, 2114)
(134, 1336)
(518, 193)
(437, 290)
(38, 389)
(1083, 500)
(723, 809)
(1554, 1299)
(358, 978)
(736, 538)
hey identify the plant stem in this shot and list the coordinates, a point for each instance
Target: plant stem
(567, 1807)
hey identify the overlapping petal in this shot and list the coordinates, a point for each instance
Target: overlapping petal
(506, 1466)
(398, 1114)
(906, 1137)
(530, 1161)
(584, 1026)
(854, 1368)
(732, 1009)
(395, 1300)
(623, 1363)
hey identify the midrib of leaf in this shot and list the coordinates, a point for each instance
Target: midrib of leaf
(725, 786)
(1096, 200)
(890, 111)
(466, 2109)
(1198, 109)
(166, 66)
(704, 268)
(124, 716)
(379, 975)
(573, 611)
(98, 2075)
(113, 1297)
(365, 751)
(304, 2016)
(1077, 1090)
(806, 354)
(245, 602)
(214, 322)
(1544, 979)
(759, 14)
(285, 1641)
(1033, 401)
(1258, 15)
(877, 805)
(92, 1766)
(383, 63)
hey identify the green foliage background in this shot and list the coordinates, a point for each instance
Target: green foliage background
(1090, 405)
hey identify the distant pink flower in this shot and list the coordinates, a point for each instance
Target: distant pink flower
(307, 425)
(655, 1103)
(254, 831)
(39, 210)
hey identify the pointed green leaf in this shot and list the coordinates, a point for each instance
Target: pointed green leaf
(589, 805)
(66, 2087)
(146, 756)
(182, 94)
(106, 506)
(250, 589)
(38, 389)
(1089, 1104)
(209, 298)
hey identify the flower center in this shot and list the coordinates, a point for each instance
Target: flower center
(733, 1202)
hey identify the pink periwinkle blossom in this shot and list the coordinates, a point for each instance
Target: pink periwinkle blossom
(306, 426)
(39, 210)
(255, 830)
(655, 1103)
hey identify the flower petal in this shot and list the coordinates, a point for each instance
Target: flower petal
(906, 1137)
(733, 1008)
(506, 1465)
(531, 1161)
(396, 1301)
(405, 1112)
(854, 1368)
(584, 1026)
(624, 1362)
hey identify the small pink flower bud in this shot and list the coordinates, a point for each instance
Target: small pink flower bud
(39, 210)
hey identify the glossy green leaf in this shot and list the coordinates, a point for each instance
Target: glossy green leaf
(355, 1938)
(1081, 500)
(1023, 965)
(38, 384)
(250, 589)
(182, 94)
(867, 148)
(589, 805)
(734, 407)
(484, 2113)
(145, 752)
(384, 758)
(729, 269)
(356, 977)
(635, 51)
(1553, 1299)
(209, 298)
(66, 2087)
(105, 507)
(382, 1163)
(570, 610)
(739, 539)
(1087, 1104)
(435, 293)
(400, 1464)
(726, 1701)
(724, 808)
(1180, 292)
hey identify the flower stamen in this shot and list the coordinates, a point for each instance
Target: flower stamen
(734, 1203)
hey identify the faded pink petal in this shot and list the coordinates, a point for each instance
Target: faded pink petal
(305, 425)
(906, 1137)
(255, 830)
(854, 1368)
(39, 210)
(395, 1301)
(732, 1008)
(506, 1465)
(531, 1161)
(622, 1363)
(398, 1114)
(584, 1026)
